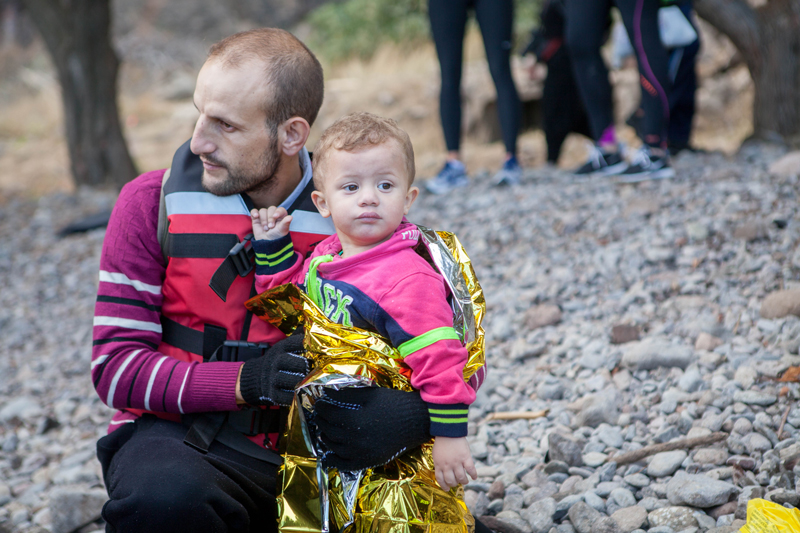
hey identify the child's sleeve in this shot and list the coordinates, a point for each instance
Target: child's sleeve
(418, 320)
(277, 263)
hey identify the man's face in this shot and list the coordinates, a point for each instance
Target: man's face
(237, 148)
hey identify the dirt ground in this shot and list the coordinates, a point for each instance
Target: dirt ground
(396, 82)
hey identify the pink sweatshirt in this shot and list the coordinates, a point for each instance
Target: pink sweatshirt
(393, 291)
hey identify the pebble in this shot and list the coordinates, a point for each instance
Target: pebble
(665, 463)
(698, 352)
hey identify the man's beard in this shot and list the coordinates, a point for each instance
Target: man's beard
(258, 177)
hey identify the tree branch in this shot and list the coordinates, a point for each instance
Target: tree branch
(739, 22)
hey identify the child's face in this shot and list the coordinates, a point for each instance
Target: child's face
(367, 193)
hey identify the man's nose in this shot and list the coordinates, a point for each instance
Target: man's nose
(201, 140)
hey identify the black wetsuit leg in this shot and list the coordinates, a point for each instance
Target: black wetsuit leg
(496, 20)
(448, 21)
(684, 87)
(641, 22)
(586, 27)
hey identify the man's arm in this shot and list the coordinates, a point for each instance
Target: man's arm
(128, 371)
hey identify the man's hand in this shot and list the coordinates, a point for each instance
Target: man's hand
(270, 224)
(271, 378)
(369, 426)
(452, 461)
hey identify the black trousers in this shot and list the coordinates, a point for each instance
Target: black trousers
(586, 29)
(156, 483)
(496, 19)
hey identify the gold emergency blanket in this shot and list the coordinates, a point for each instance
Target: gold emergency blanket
(401, 496)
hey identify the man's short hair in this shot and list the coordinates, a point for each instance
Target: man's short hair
(356, 131)
(290, 69)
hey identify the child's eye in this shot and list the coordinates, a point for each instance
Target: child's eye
(385, 186)
(351, 188)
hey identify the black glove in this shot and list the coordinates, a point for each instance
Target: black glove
(271, 378)
(369, 426)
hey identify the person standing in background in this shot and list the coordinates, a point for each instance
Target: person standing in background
(448, 22)
(585, 32)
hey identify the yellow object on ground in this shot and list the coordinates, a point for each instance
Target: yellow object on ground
(764, 516)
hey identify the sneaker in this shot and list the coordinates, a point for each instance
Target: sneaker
(452, 176)
(602, 163)
(510, 174)
(647, 166)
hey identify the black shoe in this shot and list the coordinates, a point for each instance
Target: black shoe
(601, 163)
(647, 166)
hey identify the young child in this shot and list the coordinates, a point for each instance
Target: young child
(369, 276)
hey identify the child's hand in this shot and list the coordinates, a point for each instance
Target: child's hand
(270, 224)
(453, 461)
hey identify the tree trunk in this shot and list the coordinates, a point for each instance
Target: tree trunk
(77, 35)
(768, 37)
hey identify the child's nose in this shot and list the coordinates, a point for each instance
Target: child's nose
(368, 197)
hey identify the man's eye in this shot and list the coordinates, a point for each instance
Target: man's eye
(225, 125)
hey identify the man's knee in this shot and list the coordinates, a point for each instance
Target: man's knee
(171, 496)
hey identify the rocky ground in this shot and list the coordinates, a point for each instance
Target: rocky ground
(635, 315)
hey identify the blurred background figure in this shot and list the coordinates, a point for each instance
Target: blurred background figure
(562, 108)
(448, 22)
(586, 24)
(682, 46)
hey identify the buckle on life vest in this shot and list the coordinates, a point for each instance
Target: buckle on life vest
(239, 262)
(234, 351)
(243, 255)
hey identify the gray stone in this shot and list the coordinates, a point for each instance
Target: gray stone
(594, 501)
(582, 517)
(610, 435)
(594, 459)
(598, 409)
(754, 397)
(630, 518)
(665, 463)
(637, 480)
(711, 456)
(677, 518)
(24, 408)
(622, 497)
(5, 494)
(512, 519)
(477, 502)
(71, 508)
(540, 515)
(565, 450)
(756, 442)
(606, 525)
(650, 354)
(699, 491)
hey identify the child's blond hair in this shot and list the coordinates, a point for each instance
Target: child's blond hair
(357, 131)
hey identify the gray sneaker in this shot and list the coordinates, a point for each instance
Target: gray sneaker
(647, 166)
(510, 174)
(452, 176)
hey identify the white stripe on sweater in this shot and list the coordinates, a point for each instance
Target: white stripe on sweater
(180, 394)
(151, 381)
(121, 279)
(128, 323)
(113, 388)
(99, 361)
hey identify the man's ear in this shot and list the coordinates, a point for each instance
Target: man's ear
(292, 135)
(322, 206)
(411, 195)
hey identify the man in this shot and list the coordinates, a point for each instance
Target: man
(195, 380)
